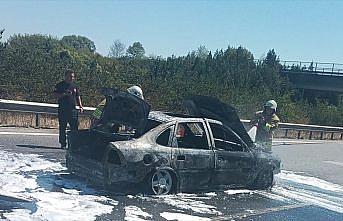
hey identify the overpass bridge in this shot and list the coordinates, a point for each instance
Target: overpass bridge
(314, 75)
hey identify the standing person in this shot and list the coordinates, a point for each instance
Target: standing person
(68, 96)
(266, 122)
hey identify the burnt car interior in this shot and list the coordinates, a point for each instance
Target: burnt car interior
(94, 140)
(225, 139)
(191, 135)
(124, 117)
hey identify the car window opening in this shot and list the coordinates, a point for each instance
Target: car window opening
(163, 138)
(225, 139)
(191, 135)
(113, 157)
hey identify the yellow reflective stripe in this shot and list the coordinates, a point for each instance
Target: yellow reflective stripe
(97, 113)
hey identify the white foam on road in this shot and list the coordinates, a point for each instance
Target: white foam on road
(134, 213)
(334, 163)
(32, 178)
(182, 217)
(301, 189)
(42, 182)
(310, 181)
(234, 192)
(211, 194)
(320, 200)
(191, 202)
(307, 189)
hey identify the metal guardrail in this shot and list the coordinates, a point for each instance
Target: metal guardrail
(45, 108)
(300, 129)
(36, 108)
(334, 69)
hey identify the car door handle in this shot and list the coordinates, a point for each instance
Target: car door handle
(181, 157)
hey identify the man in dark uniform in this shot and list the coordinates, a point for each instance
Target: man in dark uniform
(68, 96)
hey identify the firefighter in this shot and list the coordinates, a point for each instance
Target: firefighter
(266, 122)
(134, 90)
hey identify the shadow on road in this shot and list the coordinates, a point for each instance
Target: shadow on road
(36, 146)
(8, 203)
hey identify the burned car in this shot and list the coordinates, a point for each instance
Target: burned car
(165, 153)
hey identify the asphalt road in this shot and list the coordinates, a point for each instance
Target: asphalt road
(321, 159)
(310, 187)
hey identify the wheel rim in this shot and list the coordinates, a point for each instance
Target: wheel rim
(161, 182)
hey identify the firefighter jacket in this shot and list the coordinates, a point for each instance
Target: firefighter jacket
(265, 127)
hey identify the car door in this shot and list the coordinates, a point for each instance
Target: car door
(192, 156)
(234, 163)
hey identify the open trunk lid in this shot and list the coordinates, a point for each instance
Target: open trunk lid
(124, 108)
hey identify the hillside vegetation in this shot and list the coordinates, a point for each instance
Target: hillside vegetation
(30, 66)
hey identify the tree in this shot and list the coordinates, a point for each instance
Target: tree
(202, 52)
(1, 32)
(271, 58)
(136, 50)
(2, 45)
(117, 49)
(30, 65)
(79, 43)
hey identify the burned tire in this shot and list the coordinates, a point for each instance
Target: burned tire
(264, 180)
(160, 182)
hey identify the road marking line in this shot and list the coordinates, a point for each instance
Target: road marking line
(30, 134)
(293, 142)
(261, 212)
(334, 162)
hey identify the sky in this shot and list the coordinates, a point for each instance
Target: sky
(297, 30)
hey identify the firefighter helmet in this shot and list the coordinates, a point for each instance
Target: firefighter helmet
(137, 91)
(271, 104)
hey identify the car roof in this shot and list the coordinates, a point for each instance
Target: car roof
(165, 117)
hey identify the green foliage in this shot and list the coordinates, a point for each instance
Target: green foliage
(30, 66)
(201, 52)
(323, 113)
(2, 45)
(79, 43)
(117, 49)
(1, 32)
(136, 50)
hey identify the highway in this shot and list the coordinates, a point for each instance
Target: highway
(34, 185)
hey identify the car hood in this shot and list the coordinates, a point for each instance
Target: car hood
(209, 107)
(124, 108)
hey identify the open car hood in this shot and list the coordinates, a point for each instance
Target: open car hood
(124, 108)
(209, 107)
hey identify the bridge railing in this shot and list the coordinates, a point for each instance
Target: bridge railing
(286, 130)
(313, 67)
